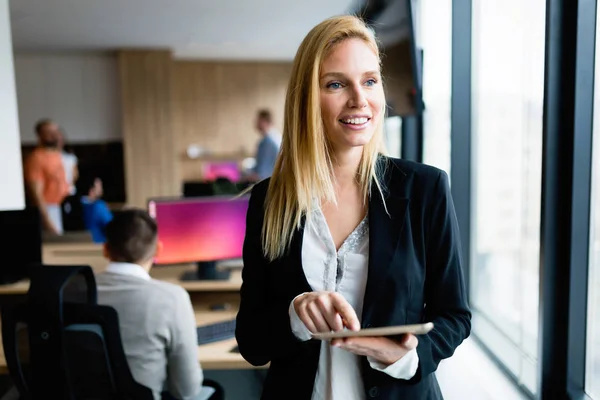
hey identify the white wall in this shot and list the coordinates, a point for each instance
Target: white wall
(11, 182)
(79, 91)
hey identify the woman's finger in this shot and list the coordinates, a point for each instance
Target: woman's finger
(346, 311)
(334, 320)
(317, 318)
(306, 319)
(409, 341)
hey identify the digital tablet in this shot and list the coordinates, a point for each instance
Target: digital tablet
(416, 329)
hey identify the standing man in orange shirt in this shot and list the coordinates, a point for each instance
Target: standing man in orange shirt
(45, 176)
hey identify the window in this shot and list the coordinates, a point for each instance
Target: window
(593, 320)
(508, 86)
(435, 32)
(393, 136)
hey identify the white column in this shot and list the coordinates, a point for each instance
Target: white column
(12, 196)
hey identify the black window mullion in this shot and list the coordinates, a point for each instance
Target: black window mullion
(580, 223)
(460, 128)
(566, 108)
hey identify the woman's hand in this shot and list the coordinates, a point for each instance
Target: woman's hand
(383, 350)
(326, 312)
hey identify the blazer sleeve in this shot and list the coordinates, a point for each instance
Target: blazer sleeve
(263, 330)
(445, 294)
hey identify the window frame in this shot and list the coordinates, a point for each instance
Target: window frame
(567, 166)
(566, 183)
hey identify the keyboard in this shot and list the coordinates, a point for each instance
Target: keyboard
(216, 332)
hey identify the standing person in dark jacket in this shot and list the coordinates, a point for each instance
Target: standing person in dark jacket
(342, 237)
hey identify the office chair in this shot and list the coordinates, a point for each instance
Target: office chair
(62, 344)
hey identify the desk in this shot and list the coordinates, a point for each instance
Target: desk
(213, 356)
(218, 355)
(168, 274)
(172, 273)
(84, 253)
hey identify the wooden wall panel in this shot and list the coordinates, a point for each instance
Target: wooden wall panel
(151, 167)
(215, 103)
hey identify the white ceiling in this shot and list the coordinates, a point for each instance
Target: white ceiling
(205, 29)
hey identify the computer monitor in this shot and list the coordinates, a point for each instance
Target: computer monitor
(222, 169)
(20, 243)
(200, 230)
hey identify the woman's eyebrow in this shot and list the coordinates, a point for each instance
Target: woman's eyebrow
(333, 75)
(342, 75)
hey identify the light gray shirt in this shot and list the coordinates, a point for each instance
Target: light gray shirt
(158, 329)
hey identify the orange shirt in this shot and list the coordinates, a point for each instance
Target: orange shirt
(46, 166)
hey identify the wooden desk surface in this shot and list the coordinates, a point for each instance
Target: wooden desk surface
(216, 355)
(168, 274)
(172, 274)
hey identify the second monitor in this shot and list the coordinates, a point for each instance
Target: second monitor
(222, 169)
(200, 230)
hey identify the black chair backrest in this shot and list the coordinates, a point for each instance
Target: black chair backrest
(72, 214)
(62, 344)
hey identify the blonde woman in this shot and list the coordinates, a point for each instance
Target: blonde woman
(342, 237)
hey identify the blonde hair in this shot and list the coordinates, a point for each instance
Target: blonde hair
(304, 169)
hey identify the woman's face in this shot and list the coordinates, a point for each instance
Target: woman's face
(352, 97)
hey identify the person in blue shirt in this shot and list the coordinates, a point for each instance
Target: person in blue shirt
(268, 148)
(96, 214)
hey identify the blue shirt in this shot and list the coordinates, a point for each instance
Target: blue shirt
(96, 216)
(268, 149)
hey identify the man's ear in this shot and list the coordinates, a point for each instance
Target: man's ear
(159, 248)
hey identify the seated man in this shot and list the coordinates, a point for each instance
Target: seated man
(156, 319)
(96, 214)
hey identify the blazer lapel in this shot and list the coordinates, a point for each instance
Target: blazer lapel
(384, 233)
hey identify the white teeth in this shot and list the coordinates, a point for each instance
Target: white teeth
(355, 121)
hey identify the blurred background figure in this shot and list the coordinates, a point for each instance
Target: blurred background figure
(96, 214)
(45, 176)
(268, 148)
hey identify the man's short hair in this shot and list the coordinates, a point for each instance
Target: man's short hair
(131, 236)
(85, 182)
(265, 115)
(41, 124)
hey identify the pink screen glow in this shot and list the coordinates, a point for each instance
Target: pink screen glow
(229, 170)
(207, 229)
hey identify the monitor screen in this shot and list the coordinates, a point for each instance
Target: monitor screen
(222, 169)
(199, 229)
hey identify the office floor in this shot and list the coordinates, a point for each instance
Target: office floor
(479, 378)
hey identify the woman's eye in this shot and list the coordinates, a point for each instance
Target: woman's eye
(371, 82)
(334, 85)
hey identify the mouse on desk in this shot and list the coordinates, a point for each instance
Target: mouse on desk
(220, 307)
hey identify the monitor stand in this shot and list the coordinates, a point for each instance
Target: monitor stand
(205, 271)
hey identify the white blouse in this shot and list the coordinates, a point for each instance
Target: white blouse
(345, 272)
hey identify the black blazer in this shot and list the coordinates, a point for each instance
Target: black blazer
(415, 275)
